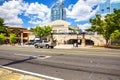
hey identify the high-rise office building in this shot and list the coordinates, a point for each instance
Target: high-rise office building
(58, 12)
(105, 7)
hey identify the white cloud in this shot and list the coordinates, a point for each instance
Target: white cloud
(40, 12)
(10, 11)
(84, 26)
(82, 10)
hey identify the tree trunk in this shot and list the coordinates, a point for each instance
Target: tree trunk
(107, 44)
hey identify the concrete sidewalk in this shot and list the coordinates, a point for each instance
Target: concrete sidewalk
(70, 46)
(63, 46)
(6, 74)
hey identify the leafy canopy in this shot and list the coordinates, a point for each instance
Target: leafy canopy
(2, 37)
(42, 31)
(106, 25)
(2, 27)
(12, 38)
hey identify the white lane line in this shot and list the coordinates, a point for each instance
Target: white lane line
(31, 73)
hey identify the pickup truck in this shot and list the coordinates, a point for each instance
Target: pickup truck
(45, 43)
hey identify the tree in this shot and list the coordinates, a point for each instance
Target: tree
(112, 23)
(106, 26)
(47, 30)
(12, 38)
(2, 38)
(18, 33)
(2, 27)
(42, 31)
(115, 37)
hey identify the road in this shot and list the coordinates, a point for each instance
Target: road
(68, 64)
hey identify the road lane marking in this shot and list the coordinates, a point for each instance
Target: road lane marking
(31, 73)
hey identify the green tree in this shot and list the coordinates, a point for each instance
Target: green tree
(47, 30)
(106, 26)
(2, 27)
(12, 38)
(42, 31)
(115, 37)
(2, 38)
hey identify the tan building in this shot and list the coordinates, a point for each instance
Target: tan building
(23, 34)
(63, 35)
(60, 26)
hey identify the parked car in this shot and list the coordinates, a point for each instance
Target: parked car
(45, 43)
(32, 42)
(29, 43)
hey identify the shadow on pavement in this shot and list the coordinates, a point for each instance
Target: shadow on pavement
(18, 61)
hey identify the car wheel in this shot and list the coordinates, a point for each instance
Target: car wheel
(52, 47)
(36, 46)
(47, 46)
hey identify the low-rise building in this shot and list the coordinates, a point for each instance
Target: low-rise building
(23, 34)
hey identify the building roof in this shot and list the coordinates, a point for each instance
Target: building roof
(19, 28)
(59, 22)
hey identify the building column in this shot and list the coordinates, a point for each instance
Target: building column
(21, 39)
(83, 40)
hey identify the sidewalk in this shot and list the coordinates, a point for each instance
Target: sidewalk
(64, 46)
(6, 74)
(70, 46)
(9, 73)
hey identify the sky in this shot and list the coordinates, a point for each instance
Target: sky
(30, 13)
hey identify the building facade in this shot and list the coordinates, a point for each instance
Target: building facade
(23, 35)
(63, 34)
(58, 12)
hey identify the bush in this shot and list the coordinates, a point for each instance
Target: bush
(2, 38)
(12, 38)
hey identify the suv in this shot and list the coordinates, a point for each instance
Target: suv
(44, 43)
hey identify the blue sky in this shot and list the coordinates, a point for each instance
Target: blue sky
(29, 13)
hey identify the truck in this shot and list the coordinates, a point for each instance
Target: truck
(45, 43)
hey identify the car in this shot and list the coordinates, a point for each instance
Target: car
(45, 43)
(29, 43)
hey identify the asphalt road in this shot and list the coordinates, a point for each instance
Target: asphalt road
(68, 64)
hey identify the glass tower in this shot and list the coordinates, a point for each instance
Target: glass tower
(58, 12)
